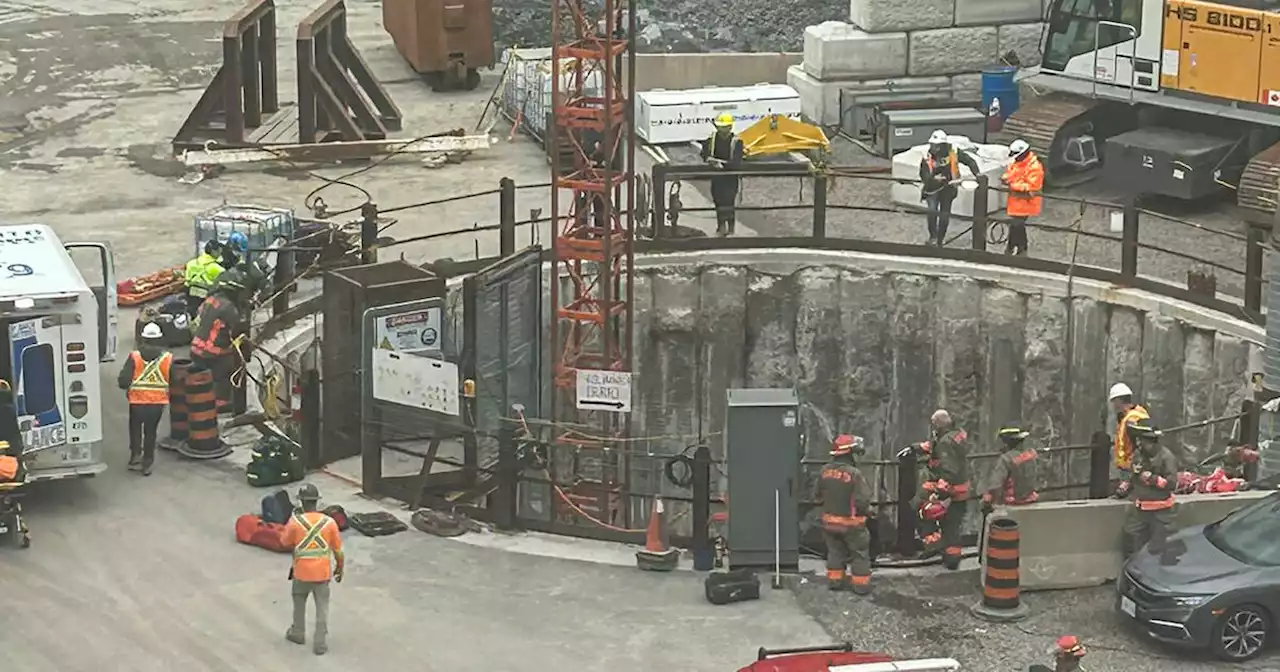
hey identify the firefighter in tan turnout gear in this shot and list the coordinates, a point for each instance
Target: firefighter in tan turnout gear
(1013, 480)
(845, 499)
(943, 496)
(1150, 487)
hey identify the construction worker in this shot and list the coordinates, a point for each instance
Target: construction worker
(1013, 479)
(724, 150)
(1067, 654)
(235, 249)
(317, 559)
(216, 326)
(200, 274)
(944, 488)
(1127, 412)
(145, 380)
(845, 499)
(1025, 179)
(1150, 487)
(939, 175)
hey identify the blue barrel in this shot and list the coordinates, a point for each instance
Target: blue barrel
(998, 83)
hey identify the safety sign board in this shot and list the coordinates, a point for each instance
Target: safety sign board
(416, 331)
(1272, 97)
(604, 391)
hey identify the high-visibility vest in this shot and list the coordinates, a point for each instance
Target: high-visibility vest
(952, 161)
(150, 379)
(1122, 452)
(200, 274)
(319, 540)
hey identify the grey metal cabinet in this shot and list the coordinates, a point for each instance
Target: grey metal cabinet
(763, 445)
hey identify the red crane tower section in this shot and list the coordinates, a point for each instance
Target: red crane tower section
(591, 289)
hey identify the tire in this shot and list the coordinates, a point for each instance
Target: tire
(1243, 633)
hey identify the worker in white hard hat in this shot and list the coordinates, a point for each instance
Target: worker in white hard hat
(939, 175)
(145, 380)
(724, 150)
(1127, 413)
(1025, 180)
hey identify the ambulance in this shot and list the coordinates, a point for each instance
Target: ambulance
(58, 307)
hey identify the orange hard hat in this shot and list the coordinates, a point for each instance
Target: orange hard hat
(933, 509)
(846, 443)
(1070, 645)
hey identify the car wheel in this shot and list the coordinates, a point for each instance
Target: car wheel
(1242, 633)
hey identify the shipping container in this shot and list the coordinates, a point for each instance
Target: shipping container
(526, 88)
(447, 41)
(668, 117)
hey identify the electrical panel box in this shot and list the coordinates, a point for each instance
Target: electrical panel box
(900, 130)
(763, 444)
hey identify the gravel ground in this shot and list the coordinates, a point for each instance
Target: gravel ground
(1219, 242)
(926, 615)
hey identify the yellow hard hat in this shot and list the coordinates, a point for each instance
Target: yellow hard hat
(725, 120)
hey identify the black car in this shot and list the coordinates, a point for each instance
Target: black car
(1213, 586)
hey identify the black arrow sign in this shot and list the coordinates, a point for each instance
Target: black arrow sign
(611, 404)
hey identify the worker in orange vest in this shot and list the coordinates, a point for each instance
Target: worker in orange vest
(1127, 413)
(145, 380)
(316, 544)
(1025, 179)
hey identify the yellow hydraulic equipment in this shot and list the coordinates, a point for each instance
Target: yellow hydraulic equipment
(777, 134)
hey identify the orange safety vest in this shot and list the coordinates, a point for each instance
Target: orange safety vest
(315, 539)
(1026, 181)
(951, 161)
(1122, 449)
(150, 384)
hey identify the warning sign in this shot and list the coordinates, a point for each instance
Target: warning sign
(1271, 97)
(413, 332)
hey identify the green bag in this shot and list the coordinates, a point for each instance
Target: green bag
(274, 462)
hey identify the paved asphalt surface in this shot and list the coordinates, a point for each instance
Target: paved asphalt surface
(137, 574)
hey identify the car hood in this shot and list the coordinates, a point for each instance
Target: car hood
(1192, 565)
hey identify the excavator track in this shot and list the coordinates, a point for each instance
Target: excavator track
(1040, 122)
(1256, 194)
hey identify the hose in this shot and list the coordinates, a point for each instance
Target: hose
(669, 469)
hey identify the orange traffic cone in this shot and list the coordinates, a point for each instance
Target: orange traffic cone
(657, 555)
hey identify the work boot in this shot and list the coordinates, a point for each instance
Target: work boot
(135, 463)
(146, 471)
(837, 585)
(860, 588)
(951, 562)
(295, 637)
(320, 648)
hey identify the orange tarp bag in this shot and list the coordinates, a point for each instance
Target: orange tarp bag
(8, 468)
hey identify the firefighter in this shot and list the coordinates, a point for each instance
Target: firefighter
(724, 150)
(1025, 179)
(1237, 458)
(145, 380)
(944, 488)
(1067, 654)
(1127, 412)
(1013, 479)
(235, 249)
(217, 324)
(939, 174)
(200, 274)
(317, 559)
(1150, 486)
(846, 499)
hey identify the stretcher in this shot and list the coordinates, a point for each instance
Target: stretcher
(141, 289)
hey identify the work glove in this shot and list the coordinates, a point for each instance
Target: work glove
(987, 506)
(1145, 477)
(1122, 490)
(337, 575)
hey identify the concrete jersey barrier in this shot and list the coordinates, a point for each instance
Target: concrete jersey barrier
(1076, 543)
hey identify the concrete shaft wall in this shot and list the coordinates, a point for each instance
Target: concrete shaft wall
(874, 351)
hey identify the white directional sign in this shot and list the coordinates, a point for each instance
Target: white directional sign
(604, 391)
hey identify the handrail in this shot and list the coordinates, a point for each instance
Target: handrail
(1133, 53)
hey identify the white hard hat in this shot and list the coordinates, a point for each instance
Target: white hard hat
(1119, 390)
(152, 330)
(939, 137)
(1018, 146)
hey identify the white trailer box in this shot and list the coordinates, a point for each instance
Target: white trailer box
(992, 159)
(669, 117)
(60, 322)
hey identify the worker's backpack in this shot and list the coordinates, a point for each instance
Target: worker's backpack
(339, 516)
(274, 462)
(738, 585)
(252, 530)
(276, 508)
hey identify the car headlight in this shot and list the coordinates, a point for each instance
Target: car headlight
(1190, 600)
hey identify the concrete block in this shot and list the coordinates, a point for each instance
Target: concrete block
(1124, 348)
(882, 16)
(1231, 382)
(1198, 374)
(967, 88)
(994, 12)
(722, 315)
(992, 161)
(952, 51)
(771, 321)
(1163, 348)
(819, 100)
(819, 357)
(1022, 39)
(867, 380)
(834, 50)
(1077, 543)
(912, 323)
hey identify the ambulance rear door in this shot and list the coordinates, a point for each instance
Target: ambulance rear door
(98, 268)
(35, 353)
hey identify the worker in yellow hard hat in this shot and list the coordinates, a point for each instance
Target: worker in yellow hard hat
(724, 150)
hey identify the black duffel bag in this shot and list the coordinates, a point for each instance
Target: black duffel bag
(737, 585)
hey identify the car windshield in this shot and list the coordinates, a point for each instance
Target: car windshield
(1250, 535)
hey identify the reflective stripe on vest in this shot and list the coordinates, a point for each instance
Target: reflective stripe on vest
(313, 536)
(150, 383)
(833, 520)
(951, 161)
(1155, 504)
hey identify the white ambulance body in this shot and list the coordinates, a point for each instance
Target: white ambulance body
(58, 308)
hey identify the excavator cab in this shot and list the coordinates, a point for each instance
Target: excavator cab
(778, 134)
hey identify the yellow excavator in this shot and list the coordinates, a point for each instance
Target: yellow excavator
(1173, 97)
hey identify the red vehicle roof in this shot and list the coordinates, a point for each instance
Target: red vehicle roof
(814, 662)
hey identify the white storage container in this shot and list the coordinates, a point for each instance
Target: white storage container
(261, 225)
(526, 92)
(667, 117)
(992, 159)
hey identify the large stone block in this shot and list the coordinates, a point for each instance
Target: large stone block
(835, 50)
(1088, 382)
(819, 360)
(1124, 348)
(670, 358)
(913, 321)
(967, 88)
(882, 16)
(771, 322)
(1163, 349)
(819, 100)
(1231, 382)
(1199, 374)
(994, 12)
(959, 356)
(867, 383)
(1022, 39)
(722, 329)
(951, 51)
(1044, 388)
(1004, 316)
